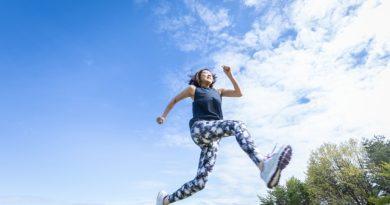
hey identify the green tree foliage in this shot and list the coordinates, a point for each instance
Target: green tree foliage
(337, 174)
(383, 200)
(378, 152)
(378, 149)
(295, 193)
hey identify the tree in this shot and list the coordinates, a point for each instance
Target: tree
(378, 160)
(378, 152)
(337, 174)
(383, 177)
(295, 193)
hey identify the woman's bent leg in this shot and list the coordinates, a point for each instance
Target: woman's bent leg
(206, 163)
(244, 139)
(216, 129)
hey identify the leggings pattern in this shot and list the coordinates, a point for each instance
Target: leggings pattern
(207, 135)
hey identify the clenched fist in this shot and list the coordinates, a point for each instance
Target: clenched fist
(160, 120)
(227, 70)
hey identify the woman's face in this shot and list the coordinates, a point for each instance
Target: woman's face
(206, 76)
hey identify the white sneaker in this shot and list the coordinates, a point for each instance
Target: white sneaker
(160, 197)
(273, 164)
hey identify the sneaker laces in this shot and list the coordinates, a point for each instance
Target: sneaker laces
(269, 155)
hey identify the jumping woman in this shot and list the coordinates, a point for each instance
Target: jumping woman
(208, 127)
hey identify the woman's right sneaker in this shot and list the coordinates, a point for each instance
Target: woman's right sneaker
(273, 164)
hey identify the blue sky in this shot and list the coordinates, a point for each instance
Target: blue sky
(82, 83)
(80, 87)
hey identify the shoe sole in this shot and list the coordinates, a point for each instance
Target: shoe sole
(284, 160)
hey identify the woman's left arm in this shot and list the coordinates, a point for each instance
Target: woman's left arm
(228, 92)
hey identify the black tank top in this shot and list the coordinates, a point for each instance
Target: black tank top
(206, 105)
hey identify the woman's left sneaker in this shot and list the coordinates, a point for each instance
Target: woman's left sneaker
(160, 197)
(273, 165)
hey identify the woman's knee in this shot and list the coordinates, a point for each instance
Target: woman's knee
(201, 183)
(239, 125)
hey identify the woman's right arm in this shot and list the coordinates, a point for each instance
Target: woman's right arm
(188, 92)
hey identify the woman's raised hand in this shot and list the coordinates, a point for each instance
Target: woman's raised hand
(160, 120)
(227, 70)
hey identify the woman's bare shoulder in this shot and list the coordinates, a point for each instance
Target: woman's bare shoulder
(192, 89)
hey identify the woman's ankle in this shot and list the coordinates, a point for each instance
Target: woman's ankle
(166, 201)
(261, 165)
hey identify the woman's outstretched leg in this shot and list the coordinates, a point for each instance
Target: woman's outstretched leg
(207, 159)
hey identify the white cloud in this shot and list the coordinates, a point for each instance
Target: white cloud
(255, 3)
(162, 9)
(214, 21)
(197, 28)
(174, 138)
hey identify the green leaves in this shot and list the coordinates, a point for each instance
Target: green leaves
(336, 174)
(378, 159)
(295, 192)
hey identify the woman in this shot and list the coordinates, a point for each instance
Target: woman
(207, 127)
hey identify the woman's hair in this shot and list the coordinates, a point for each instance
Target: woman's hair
(194, 79)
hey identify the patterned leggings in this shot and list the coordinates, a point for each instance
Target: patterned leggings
(207, 135)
